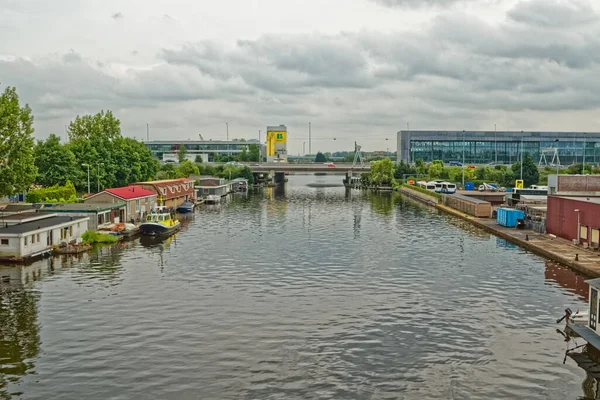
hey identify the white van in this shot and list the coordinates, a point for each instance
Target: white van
(449, 188)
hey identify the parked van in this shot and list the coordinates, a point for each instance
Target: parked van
(449, 188)
(427, 185)
(455, 164)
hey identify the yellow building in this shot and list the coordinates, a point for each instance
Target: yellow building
(277, 143)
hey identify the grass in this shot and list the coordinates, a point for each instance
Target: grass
(93, 237)
(424, 191)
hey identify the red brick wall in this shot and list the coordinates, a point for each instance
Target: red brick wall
(579, 183)
(561, 218)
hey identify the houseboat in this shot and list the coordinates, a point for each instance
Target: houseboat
(212, 199)
(159, 223)
(582, 324)
(186, 207)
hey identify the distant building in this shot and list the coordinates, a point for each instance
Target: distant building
(277, 144)
(210, 185)
(166, 150)
(503, 147)
(139, 201)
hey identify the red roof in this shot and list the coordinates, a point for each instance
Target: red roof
(130, 192)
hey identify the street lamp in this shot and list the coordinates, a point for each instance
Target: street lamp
(303, 148)
(583, 166)
(557, 161)
(521, 155)
(578, 226)
(88, 167)
(98, 174)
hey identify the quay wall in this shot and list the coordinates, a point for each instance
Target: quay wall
(543, 245)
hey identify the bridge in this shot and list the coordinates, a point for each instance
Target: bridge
(327, 168)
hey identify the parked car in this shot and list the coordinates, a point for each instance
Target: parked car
(470, 166)
(330, 165)
(455, 164)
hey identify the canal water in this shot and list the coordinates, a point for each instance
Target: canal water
(303, 293)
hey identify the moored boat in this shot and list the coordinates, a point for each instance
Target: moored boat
(159, 224)
(212, 199)
(186, 207)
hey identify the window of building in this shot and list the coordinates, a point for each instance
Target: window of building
(37, 237)
(70, 231)
(4, 242)
(137, 205)
(63, 233)
(26, 240)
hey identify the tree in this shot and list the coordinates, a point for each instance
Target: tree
(246, 172)
(404, 169)
(56, 163)
(182, 153)
(114, 160)
(243, 156)
(320, 158)
(435, 171)
(17, 164)
(186, 169)
(531, 174)
(254, 152)
(198, 159)
(382, 172)
(167, 171)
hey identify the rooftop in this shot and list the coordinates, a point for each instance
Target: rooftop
(39, 224)
(594, 282)
(127, 192)
(81, 207)
(586, 199)
(165, 181)
(23, 216)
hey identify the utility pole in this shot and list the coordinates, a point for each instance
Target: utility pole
(259, 148)
(463, 163)
(147, 132)
(309, 139)
(227, 128)
(583, 166)
(496, 143)
(98, 175)
(303, 148)
(521, 155)
(88, 167)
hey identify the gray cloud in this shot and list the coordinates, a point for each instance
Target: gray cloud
(457, 71)
(553, 13)
(419, 3)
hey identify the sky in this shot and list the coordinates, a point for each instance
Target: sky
(358, 70)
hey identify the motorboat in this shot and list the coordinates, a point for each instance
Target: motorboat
(159, 223)
(186, 207)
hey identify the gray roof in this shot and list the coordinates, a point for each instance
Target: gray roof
(81, 207)
(468, 198)
(594, 282)
(39, 224)
(22, 216)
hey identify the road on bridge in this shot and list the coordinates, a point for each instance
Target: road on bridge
(288, 167)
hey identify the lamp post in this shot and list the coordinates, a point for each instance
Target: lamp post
(88, 167)
(303, 148)
(98, 175)
(557, 160)
(495, 144)
(578, 226)
(463, 163)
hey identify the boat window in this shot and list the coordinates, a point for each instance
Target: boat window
(593, 308)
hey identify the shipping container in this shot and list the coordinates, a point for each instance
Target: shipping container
(470, 186)
(508, 217)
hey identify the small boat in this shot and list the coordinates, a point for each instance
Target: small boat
(159, 224)
(186, 207)
(212, 199)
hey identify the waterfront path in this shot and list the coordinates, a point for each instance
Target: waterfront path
(557, 249)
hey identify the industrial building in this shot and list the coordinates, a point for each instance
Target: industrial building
(167, 150)
(277, 144)
(502, 147)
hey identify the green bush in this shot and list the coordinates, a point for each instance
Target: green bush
(92, 237)
(53, 193)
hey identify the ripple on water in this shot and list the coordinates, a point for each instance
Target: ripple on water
(307, 294)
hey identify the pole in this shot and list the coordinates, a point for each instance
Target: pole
(227, 128)
(309, 139)
(303, 148)
(147, 132)
(578, 228)
(463, 163)
(496, 144)
(583, 166)
(521, 155)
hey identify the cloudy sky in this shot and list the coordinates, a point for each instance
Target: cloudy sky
(357, 69)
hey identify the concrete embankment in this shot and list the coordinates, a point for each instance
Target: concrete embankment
(557, 249)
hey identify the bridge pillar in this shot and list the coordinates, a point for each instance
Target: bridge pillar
(279, 177)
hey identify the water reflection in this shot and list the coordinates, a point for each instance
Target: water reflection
(567, 278)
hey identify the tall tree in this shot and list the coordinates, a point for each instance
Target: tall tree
(198, 159)
(254, 152)
(187, 168)
(56, 163)
(182, 153)
(382, 172)
(531, 173)
(243, 156)
(320, 157)
(17, 164)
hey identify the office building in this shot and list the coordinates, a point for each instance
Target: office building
(502, 147)
(277, 144)
(167, 150)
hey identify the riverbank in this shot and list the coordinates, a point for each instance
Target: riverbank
(557, 249)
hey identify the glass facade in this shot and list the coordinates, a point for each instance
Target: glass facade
(501, 147)
(161, 148)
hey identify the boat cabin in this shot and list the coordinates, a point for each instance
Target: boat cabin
(586, 326)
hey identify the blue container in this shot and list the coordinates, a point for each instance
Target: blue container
(469, 186)
(508, 217)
